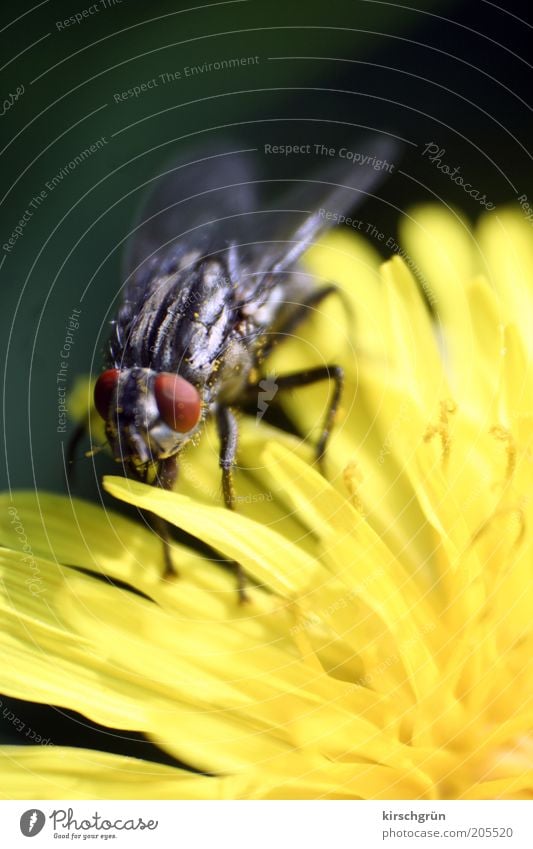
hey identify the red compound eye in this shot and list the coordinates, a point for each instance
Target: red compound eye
(178, 402)
(103, 390)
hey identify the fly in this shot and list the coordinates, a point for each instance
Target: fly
(212, 285)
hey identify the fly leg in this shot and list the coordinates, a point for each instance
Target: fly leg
(165, 478)
(309, 376)
(306, 378)
(228, 433)
(301, 312)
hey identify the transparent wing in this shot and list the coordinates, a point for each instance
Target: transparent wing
(317, 202)
(199, 203)
(211, 200)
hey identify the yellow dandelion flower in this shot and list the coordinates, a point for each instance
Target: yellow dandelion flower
(387, 649)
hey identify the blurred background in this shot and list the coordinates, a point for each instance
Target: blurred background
(135, 83)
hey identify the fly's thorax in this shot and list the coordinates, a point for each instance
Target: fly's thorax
(149, 415)
(185, 322)
(277, 298)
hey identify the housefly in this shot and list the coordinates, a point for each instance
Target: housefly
(212, 285)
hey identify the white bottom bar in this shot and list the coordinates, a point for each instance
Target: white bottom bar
(269, 825)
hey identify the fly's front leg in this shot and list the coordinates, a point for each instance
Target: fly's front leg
(228, 433)
(308, 377)
(167, 472)
(165, 478)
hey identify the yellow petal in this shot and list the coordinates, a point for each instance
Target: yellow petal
(56, 772)
(262, 552)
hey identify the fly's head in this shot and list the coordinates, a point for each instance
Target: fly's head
(149, 415)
